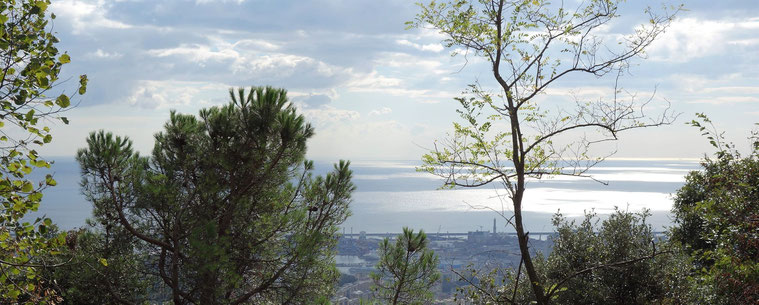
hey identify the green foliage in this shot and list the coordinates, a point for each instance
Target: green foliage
(30, 65)
(614, 261)
(406, 270)
(225, 210)
(100, 267)
(717, 221)
(625, 262)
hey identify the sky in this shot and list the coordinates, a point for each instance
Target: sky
(372, 89)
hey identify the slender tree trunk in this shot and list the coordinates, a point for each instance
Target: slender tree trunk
(537, 287)
(518, 159)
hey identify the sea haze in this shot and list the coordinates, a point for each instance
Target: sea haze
(392, 194)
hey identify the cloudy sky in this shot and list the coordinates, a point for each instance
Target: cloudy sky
(373, 90)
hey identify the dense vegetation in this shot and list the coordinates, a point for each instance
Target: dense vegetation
(617, 260)
(717, 222)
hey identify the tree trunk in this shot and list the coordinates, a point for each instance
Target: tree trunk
(537, 287)
(518, 159)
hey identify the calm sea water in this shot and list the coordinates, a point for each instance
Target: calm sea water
(391, 194)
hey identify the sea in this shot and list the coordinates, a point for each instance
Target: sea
(391, 195)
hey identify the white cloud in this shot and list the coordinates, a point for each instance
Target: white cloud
(381, 111)
(374, 82)
(326, 115)
(432, 47)
(331, 93)
(690, 38)
(196, 53)
(276, 63)
(411, 64)
(99, 53)
(745, 42)
(254, 58)
(426, 34)
(86, 15)
(172, 94)
(281, 65)
(256, 44)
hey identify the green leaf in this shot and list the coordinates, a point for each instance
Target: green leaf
(64, 59)
(50, 181)
(103, 261)
(42, 5)
(35, 196)
(63, 101)
(44, 82)
(27, 187)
